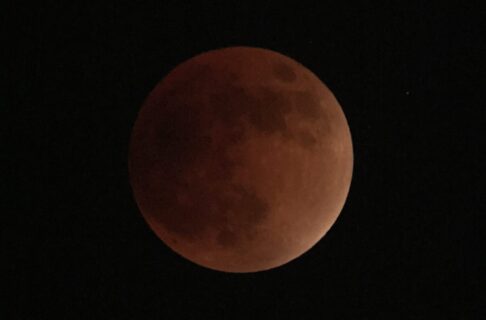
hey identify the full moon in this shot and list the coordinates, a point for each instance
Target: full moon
(240, 159)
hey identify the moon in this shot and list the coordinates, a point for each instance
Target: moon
(240, 159)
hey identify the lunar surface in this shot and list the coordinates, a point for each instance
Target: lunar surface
(240, 159)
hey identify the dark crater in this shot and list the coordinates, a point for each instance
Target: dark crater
(263, 107)
(306, 139)
(284, 72)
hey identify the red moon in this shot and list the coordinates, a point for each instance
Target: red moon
(240, 159)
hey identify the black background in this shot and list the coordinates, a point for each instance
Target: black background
(407, 242)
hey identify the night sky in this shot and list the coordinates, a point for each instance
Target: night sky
(406, 245)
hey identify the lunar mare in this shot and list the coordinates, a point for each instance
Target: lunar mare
(240, 159)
